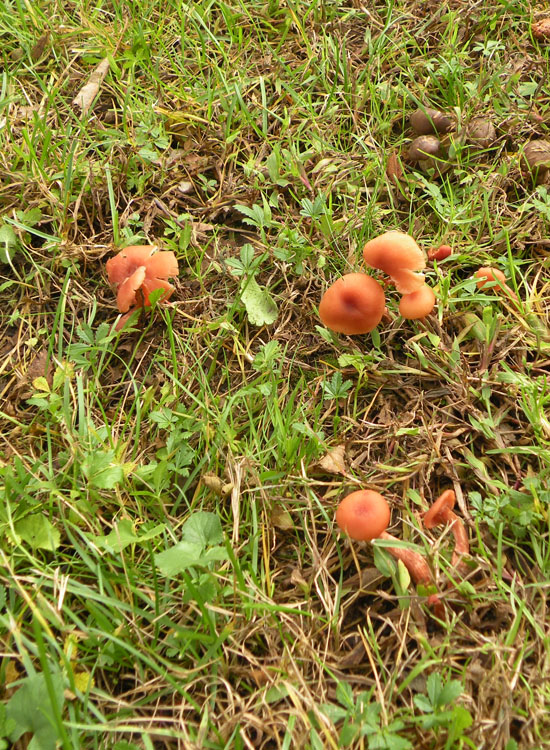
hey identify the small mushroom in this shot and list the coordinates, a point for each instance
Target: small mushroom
(424, 147)
(536, 159)
(418, 304)
(486, 273)
(480, 132)
(440, 253)
(364, 515)
(541, 29)
(136, 272)
(428, 120)
(441, 512)
(398, 255)
(354, 304)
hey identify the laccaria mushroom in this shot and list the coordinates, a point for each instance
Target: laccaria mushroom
(137, 271)
(440, 253)
(398, 255)
(364, 515)
(441, 512)
(418, 304)
(486, 273)
(354, 304)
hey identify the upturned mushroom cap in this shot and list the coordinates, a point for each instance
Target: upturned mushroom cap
(363, 515)
(437, 513)
(126, 295)
(417, 304)
(398, 255)
(354, 304)
(125, 263)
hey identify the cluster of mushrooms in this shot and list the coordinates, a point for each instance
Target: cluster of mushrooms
(364, 515)
(434, 129)
(355, 303)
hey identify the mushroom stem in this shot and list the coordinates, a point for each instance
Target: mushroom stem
(462, 545)
(418, 568)
(441, 513)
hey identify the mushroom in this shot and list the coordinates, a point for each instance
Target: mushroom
(137, 271)
(486, 273)
(440, 253)
(354, 304)
(441, 512)
(417, 304)
(424, 147)
(536, 159)
(428, 120)
(398, 255)
(480, 132)
(364, 515)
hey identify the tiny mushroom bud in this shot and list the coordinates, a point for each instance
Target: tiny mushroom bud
(354, 304)
(441, 513)
(486, 273)
(364, 515)
(398, 255)
(417, 304)
(440, 253)
(426, 121)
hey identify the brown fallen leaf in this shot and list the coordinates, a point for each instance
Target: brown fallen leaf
(541, 29)
(334, 462)
(90, 90)
(394, 170)
(40, 46)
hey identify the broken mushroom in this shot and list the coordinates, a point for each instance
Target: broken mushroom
(364, 515)
(441, 512)
(136, 272)
(418, 304)
(398, 255)
(354, 304)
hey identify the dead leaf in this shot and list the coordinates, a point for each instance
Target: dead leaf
(394, 170)
(40, 46)
(90, 90)
(282, 519)
(334, 462)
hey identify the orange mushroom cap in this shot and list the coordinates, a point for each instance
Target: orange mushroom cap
(438, 512)
(398, 255)
(417, 304)
(354, 304)
(126, 295)
(440, 253)
(363, 515)
(486, 273)
(125, 263)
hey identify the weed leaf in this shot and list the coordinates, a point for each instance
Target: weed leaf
(260, 306)
(38, 532)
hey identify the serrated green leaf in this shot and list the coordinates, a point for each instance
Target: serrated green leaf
(124, 534)
(202, 528)
(260, 305)
(38, 532)
(101, 470)
(9, 243)
(31, 710)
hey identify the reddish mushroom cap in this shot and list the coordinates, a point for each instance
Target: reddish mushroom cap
(417, 304)
(126, 295)
(363, 515)
(440, 253)
(486, 273)
(354, 304)
(125, 263)
(436, 514)
(398, 255)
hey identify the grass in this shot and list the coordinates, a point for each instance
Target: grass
(171, 572)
